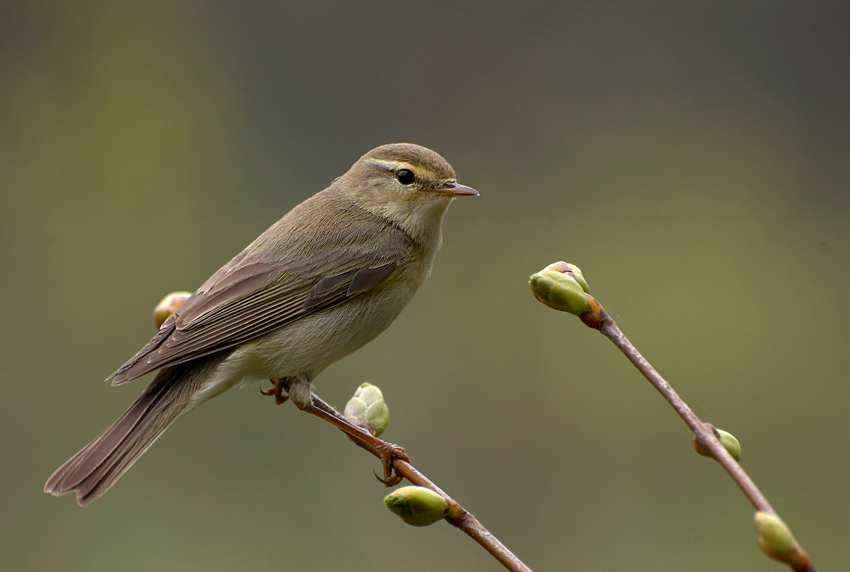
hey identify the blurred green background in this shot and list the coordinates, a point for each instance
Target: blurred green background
(692, 158)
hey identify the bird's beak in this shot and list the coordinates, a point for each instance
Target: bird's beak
(453, 189)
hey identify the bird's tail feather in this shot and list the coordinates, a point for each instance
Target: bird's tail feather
(92, 471)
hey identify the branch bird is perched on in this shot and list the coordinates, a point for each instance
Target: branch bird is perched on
(320, 283)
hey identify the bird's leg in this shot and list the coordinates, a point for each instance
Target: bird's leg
(361, 436)
(277, 390)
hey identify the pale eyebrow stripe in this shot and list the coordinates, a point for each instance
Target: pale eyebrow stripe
(396, 165)
(393, 165)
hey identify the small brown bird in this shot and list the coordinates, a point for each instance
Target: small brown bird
(323, 281)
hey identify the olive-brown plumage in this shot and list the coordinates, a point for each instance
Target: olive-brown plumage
(320, 283)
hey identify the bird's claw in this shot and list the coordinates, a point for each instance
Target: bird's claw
(277, 390)
(389, 453)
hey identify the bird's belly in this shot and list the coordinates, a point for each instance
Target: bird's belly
(307, 346)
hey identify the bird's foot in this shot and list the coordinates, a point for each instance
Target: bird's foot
(277, 390)
(362, 434)
(388, 453)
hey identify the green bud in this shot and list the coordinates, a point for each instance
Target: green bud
(417, 506)
(579, 277)
(775, 538)
(368, 406)
(561, 286)
(729, 442)
(168, 306)
(776, 541)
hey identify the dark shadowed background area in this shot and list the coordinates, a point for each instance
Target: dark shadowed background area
(692, 159)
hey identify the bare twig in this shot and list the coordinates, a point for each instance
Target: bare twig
(562, 286)
(703, 431)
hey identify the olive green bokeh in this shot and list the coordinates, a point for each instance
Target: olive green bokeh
(693, 160)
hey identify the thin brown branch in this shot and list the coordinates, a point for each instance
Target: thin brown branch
(703, 431)
(457, 516)
(705, 435)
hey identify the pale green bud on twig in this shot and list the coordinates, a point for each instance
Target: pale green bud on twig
(561, 286)
(776, 541)
(729, 442)
(168, 306)
(417, 506)
(368, 407)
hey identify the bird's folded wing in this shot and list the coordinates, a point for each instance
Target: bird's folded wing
(246, 299)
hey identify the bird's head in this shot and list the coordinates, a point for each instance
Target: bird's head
(408, 185)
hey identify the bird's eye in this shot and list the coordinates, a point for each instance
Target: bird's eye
(405, 176)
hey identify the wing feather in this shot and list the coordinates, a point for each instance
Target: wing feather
(249, 296)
